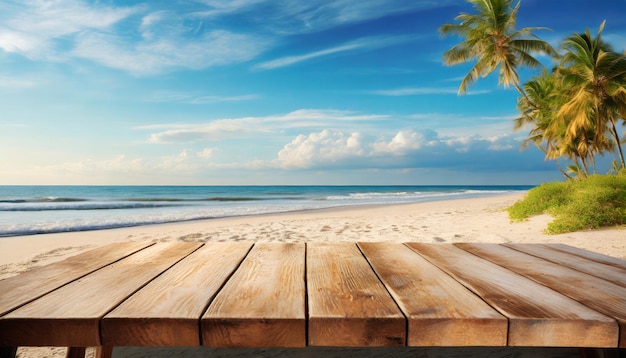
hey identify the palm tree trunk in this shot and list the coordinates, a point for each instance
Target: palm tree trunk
(586, 172)
(618, 143)
(567, 176)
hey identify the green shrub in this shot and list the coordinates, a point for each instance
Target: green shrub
(591, 203)
(539, 200)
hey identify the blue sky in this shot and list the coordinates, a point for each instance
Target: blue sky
(261, 92)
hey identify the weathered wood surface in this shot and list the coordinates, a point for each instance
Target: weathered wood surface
(263, 303)
(70, 316)
(538, 316)
(167, 310)
(318, 294)
(440, 311)
(19, 290)
(603, 296)
(606, 272)
(348, 305)
(594, 256)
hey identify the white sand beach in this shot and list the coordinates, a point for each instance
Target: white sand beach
(467, 220)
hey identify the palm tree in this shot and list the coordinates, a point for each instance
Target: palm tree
(594, 79)
(538, 110)
(491, 40)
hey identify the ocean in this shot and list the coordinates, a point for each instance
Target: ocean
(28, 210)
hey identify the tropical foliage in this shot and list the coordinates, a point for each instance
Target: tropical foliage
(590, 203)
(573, 111)
(492, 41)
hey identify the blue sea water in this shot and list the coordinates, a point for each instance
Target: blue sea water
(26, 210)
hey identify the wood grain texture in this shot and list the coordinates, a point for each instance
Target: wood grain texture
(600, 295)
(610, 273)
(167, 311)
(26, 287)
(70, 315)
(263, 303)
(348, 305)
(440, 311)
(594, 256)
(103, 352)
(538, 316)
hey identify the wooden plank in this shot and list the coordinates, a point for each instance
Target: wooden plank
(538, 315)
(263, 303)
(611, 273)
(608, 260)
(348, 305)
(600, 295)
(166, 312)
(103, 352)
(70, 315)
(440, 311)
(28, 286)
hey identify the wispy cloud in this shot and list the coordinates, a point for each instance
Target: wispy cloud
(216, 99)
(131, 39)
(297, 16)
(151, 57)
(290, 60)
(369, 43)
(416, 91)
(235, 128)
(35, 28)
(222, 7)
(180, 97)
(149, 39)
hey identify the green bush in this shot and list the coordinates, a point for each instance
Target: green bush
(591, 203)
(539, 200)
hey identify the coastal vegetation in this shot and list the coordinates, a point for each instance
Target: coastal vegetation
(572, 112)
(590, 203)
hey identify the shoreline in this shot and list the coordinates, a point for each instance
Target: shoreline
(480, 219)
(29, 221)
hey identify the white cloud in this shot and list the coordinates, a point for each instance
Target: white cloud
(363, 43)
(216, 99)
(125, 38)
(413, 91)
(406, 149)
(229, 128)
(206, 153)
(32, 28)
(214, 131)
(223, 7)
(325, 147)
(403, 142)
(290, 60)
(147, 40)
(151, 57)
(180, 97)
(297, 16)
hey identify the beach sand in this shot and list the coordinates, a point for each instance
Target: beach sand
(466, 220)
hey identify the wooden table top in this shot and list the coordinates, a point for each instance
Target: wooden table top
(319, 294)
